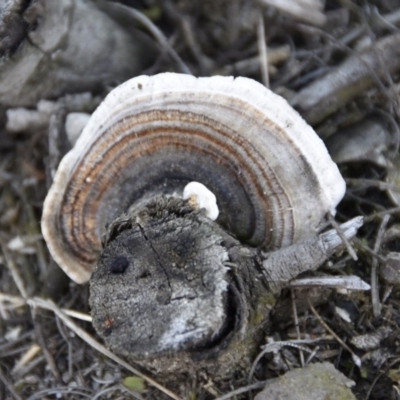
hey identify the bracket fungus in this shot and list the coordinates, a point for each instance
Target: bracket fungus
(168, 279)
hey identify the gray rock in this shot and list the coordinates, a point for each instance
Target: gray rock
(315, 382)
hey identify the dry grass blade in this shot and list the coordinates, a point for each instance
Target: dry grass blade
(244, 389)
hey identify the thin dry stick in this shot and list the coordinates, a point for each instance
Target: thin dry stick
(262, 51)
(44, 346)
(361, 246)
(376, 304)
(360, 200)
(159, 36)
(193, 44)
(63, 334)
(356, 359)
(32, 220)
(381, 214)
(342, 236)
(387, 293)
(312, 355)
(49, 305)
(364, 248)
(296, 324)
(112, 389)
(12, 267)
(367, 183)
(244, 389)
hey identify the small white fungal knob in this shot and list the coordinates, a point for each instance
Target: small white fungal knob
(201, 197)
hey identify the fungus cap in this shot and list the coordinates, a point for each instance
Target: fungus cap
(272, 176)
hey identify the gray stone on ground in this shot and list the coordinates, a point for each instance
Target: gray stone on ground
(315, 382)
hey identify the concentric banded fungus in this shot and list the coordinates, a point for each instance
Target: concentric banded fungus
(169, 278)
(272, 176)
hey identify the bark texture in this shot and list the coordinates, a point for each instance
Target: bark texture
(176, 293)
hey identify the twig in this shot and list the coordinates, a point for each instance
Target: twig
(262, 51)
(342, 236)
(366, 183)
(244, 389)
(100, 394)
(356, 359)
(363, 247)
(381, 214)
(387, 293)
(63, 334)
(193, 45)
(155, 31)
(360, 200)
(35, 231)
(356, 74)
(296, 324)
(376, 304)
(274, 347)
(251, 65)
(312, 355)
